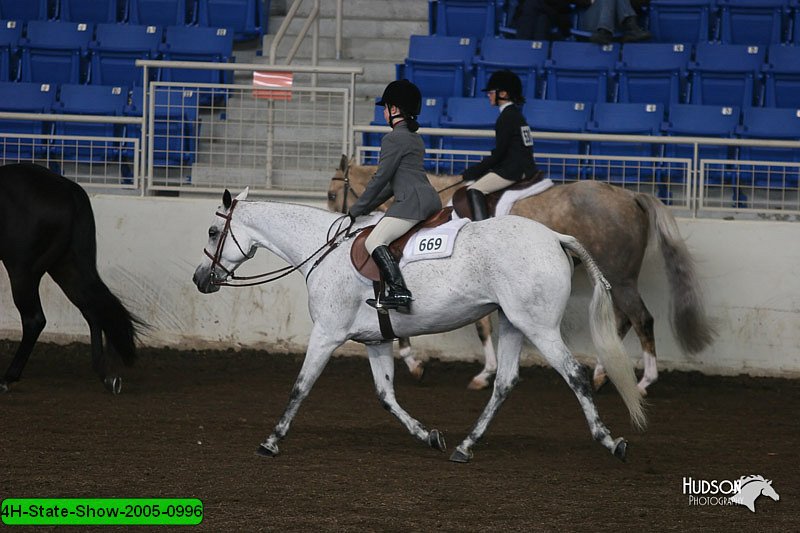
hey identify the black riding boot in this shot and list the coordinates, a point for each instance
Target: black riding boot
(477, 200)
(399, 296)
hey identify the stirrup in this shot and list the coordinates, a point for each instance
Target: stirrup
(383, 306)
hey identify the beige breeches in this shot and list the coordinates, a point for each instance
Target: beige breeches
(387, 230)
(491, 182)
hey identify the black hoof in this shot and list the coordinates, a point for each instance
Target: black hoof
(436, 440)
(459, 456)
(621, 449)
(267, 450)
(113, 384)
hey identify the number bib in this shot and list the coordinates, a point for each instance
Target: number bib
(430, 244)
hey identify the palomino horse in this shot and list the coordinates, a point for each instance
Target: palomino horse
(614, 224)
(509, 264)
(47, 226)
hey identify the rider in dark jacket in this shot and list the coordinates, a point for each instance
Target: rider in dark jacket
(512, 158)
(400, 174)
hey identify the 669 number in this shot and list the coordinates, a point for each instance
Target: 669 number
(429, 244)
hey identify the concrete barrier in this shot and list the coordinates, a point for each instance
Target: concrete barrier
(148, 249)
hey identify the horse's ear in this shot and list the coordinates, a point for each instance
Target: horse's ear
(226, 199)
(343, 163)
(243, 195)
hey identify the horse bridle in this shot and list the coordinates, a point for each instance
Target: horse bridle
(347, 188)
(331, 244)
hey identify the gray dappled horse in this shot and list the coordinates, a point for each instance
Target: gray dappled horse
(615, 226)
(510, 264)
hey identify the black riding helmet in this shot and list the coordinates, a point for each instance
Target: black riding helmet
(505, 80)
(405, 96)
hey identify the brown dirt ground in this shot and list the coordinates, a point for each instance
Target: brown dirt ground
(187, 424)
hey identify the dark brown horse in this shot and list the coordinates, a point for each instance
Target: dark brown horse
(614, 224)
(47, 226)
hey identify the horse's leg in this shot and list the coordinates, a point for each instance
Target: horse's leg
(415, 366)
(623, 326)
(320, 347)
(509, 345)
(25, 292)
(552, 347)
(382, 364)
(481, 381)
(630, 301)
(76, 288)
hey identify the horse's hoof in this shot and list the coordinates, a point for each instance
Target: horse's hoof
(642, 390)
(436, 440)
(599, 382)
(113, 384)
(460, 456)
(480, 383)
(620, 449)
(418, 372)
(266, 449)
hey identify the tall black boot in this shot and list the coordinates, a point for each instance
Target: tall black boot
(399, 296)
(477, 200)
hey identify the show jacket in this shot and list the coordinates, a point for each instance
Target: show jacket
(400, 174)
(512, 157)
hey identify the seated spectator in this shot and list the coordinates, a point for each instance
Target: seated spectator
(602, 17)
(535, 20)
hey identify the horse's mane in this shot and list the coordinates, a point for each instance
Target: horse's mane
(744, 480)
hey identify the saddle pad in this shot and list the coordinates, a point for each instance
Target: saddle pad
(363, 263)
(499, 203)
(511, 196)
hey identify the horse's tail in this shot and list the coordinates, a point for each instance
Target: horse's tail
(602, 324)
(688, 318)
(119, 325)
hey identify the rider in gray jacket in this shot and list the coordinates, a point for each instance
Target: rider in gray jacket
(400, 174)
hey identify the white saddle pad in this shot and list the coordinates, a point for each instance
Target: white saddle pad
(509, 198)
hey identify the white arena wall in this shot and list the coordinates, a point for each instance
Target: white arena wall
(148, 249)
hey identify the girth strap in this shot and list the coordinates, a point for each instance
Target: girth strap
(384, 321)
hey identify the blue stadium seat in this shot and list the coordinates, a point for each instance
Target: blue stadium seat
(688, 120)
(561, 117)
(95, 11)
(439, 66)
(54, 52)
(579, 71)
(115, 50)
(24, 10)
(194, 43)
(21, 97)
(466, 113)
(752, 21)
(782, 77)
(795, 20)
(625, 119)
(243, 17)
(161, 13)
(525, 58)
(10, 34)
(770, 123)
(466, 18)
(176, 125)
(681, 21)
(653, 73)
(89, 100)
(725, 74)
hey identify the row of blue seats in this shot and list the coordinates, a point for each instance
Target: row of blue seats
(705, 73)
(66, 52)
(728, 21)
(683, 120)
(176, 122)
(241, 17)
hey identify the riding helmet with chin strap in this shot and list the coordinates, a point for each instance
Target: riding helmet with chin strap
(406, 97)
(505, 80)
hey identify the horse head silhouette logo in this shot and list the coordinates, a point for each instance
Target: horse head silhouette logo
(751, 488)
